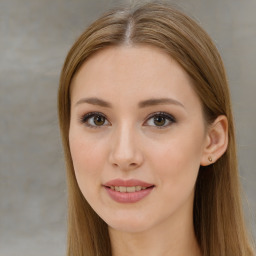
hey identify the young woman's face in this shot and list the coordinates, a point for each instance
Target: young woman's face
(136, 137)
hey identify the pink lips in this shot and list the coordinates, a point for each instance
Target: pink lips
(128, 197)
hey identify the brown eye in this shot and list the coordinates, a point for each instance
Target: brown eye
(99, 120)
(95, 120)
(159, 120)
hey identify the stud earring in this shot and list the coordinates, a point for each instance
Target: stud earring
(210, 159)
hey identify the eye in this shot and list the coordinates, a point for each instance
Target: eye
(94, 120)
(160, 120)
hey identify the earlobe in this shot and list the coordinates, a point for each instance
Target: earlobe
(216, 141)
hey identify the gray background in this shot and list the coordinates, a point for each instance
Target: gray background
(35, 36)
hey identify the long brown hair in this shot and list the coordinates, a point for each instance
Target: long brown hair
(218, 218)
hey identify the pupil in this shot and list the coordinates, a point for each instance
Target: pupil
(159, 120)
(99, 120)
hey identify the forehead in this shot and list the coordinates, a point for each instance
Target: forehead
(134, 73)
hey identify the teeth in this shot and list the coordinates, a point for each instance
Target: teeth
(122, 189)
(130, 189)
(127, 189)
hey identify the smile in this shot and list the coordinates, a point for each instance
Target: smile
(128, 191)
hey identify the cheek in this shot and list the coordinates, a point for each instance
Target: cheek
(86, 152)
(177, 161)
(87, 161)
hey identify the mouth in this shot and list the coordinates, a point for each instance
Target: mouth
(123, 189)
(128, 191)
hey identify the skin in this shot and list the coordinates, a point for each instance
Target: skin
(130, 145)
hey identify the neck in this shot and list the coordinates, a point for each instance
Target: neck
(176, 240)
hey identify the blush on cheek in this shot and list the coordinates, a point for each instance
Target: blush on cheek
(176, 161)
(87, 160)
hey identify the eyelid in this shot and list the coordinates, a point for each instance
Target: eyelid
(170, 117)
(89, 115)
(84, 118)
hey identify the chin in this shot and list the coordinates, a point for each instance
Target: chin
(129, 227)
(129, 224)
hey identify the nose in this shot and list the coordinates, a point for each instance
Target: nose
(125, 153)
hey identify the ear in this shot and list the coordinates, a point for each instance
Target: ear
(216, 141)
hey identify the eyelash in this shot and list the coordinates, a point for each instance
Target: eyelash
(84, 119)
(164, 115)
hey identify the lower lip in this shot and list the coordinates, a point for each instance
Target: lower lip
(131, 197)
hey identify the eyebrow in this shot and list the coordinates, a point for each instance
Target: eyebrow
(161, 101)
(95, 101)
(142, 104)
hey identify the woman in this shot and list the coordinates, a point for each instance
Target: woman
(147, 128)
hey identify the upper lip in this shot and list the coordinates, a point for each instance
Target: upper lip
(127, 183)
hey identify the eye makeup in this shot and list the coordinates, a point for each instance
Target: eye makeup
(94, 119)
(159, 120)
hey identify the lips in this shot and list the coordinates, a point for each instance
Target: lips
(128, 191)
(127, 183)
